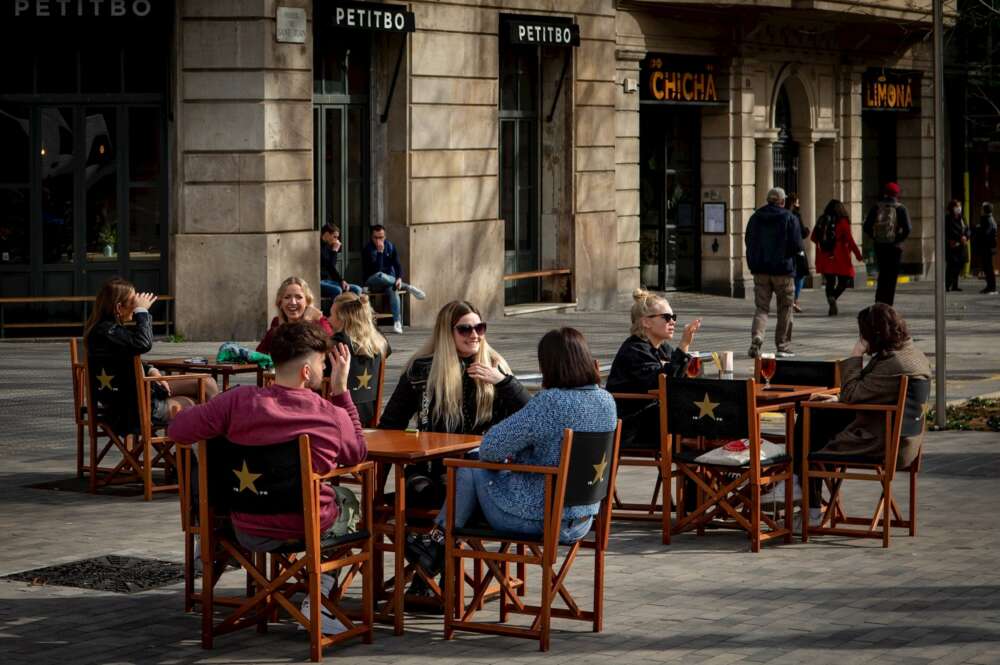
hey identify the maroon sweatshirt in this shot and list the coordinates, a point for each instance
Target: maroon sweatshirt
(254, 416)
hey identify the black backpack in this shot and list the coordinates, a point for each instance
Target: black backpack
(826, 233)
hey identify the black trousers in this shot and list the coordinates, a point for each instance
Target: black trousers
(836, 285)
(986, 261)
(954, 262)
(888, 257)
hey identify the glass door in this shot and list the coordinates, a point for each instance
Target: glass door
(519, 156)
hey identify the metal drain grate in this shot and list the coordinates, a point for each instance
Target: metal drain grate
(118, 574)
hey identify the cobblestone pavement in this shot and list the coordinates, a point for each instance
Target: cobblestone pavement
(933, 598)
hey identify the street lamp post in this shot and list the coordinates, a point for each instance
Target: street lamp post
(939, 158)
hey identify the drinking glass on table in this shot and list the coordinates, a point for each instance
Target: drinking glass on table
(694, 367)
(768, 366)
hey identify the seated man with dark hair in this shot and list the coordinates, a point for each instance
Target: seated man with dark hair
(383, 273)
(254, 416)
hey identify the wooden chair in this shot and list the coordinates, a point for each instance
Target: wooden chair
(275, 479)
(119, 401)
(904, 418)
(79, 375)
(655, 455)
(586, 474)
(709, 412)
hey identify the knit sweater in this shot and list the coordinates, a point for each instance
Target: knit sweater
(533, 436)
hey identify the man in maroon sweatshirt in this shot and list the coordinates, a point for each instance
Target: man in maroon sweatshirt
(253, 416)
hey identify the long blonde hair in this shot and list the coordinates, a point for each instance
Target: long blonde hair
(305, 289)
(643, 305)
(444, 384)
(356, 316)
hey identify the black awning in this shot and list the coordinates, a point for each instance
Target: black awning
(531, 30)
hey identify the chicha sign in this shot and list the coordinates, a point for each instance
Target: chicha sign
(678, 80)
(890, 90)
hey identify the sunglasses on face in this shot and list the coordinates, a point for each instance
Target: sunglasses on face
(666, 316)
(465, 329)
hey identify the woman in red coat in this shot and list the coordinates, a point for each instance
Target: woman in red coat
(834, 247)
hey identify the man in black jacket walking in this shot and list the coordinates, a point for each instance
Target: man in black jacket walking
(773, 239)
(888, 224)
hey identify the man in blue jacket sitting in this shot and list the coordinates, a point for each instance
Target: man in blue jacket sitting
(772, 241)
(384, 274)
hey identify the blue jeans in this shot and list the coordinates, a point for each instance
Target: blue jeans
(471, 490)
(380, 282)
(330, 289)
(799, 283)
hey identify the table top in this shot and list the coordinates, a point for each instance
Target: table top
(182, 364)
(786, 393)
(393, 445)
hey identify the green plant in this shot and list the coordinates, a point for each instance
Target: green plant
(175, 338)
(108, 235)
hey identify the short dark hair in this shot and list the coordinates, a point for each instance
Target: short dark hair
(376, 228)
(565, 360)
(294, 340)
(987, 208)
(882, 328)
(329, 228)
(836, 209)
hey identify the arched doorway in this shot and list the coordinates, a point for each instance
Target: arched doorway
(786, 149)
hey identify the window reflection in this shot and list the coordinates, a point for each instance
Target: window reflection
(101, 185)
(144, 223)
(57, 162)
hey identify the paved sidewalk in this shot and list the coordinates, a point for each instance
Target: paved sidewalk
(930, 599)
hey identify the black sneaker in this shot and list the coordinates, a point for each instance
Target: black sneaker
(424, 552)
(833, 306)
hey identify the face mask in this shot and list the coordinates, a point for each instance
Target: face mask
(958, 211)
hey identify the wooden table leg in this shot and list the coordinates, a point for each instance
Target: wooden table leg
(225, 380)
(399, 536)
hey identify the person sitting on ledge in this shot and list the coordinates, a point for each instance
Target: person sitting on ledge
(640, 361)
(512, 501)
(383, 273)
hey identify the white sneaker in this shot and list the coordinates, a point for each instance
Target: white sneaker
(815, 519)
(777, 495)
(784, 354)
(397, 327)
(331, 624)
(417, 293)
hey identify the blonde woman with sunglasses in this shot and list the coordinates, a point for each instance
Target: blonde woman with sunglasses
(640, 361)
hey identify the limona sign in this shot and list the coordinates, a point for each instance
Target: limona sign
(671, 79)
(890, 90)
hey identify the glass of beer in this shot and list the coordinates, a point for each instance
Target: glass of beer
(694, 367)
(768, 366)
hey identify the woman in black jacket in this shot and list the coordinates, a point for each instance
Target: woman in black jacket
(956, 238)
(111, 344)
(640, 361)
(353, 321)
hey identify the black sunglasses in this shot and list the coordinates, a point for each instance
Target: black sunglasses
(465, 329)
(666, 316)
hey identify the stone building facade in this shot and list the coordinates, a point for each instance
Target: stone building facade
(494, 141)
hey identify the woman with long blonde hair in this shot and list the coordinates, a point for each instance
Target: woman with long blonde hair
(294, 302)
(354, 322)
(455, 382)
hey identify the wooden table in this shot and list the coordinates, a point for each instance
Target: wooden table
(226, 370)
(788, 393)
(393, 450)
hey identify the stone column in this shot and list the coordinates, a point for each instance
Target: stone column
(627, 172)
(764, 166)
(807, 190)
(243, 177)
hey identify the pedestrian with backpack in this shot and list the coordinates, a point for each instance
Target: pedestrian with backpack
(834, 248)
(985, 245)
(888, 224)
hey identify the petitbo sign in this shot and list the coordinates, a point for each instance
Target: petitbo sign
(82, 8)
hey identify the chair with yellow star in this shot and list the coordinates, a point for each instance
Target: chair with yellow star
(262, 481)
(123, 436)
(585, 475)
(706, 414)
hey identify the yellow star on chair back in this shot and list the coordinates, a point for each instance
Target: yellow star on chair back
(246, 478)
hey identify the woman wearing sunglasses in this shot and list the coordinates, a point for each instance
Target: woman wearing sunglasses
(640, 361)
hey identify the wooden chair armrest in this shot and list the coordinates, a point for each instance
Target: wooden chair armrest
(646, 397)
(500, 466)
(843, 406)
(175, 377)
(771, 408)
(346, 470)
